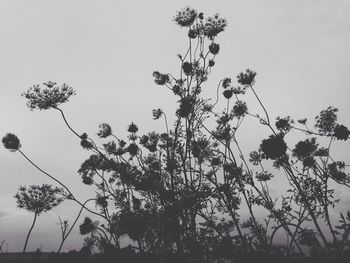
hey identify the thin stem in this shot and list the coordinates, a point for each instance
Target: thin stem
(262, 105)
(65, 120)
(30, 231)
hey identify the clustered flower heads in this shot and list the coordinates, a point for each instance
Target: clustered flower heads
(11, 142)
(50, 96)
(185, 17)
(210, 28)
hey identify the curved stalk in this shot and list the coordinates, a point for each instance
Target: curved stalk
(30, 231)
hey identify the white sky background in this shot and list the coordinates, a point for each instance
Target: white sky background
(107, 51)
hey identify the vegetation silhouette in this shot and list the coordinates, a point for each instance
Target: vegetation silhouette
(38, 199)
(190, 194)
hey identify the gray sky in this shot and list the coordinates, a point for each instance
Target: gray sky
(107, 51)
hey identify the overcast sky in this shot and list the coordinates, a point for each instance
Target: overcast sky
(107, 51)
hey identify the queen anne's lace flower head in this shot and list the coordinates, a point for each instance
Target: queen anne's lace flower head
(39, 199)
(49, 96)
(214, 25)
(185, 17)
(11, 142)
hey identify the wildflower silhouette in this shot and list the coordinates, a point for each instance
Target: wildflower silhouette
(191, 193)
(38, 199)
(49, 96)
(11, 142)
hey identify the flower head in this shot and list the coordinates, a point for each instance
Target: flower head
(132, 128)
(11, 142)
(187, 68)
(341, 132)
(49, 96)
(228, 93)
(39, 199)
(240, 109)
(247, 78)
(102, 201)
(157, 113)
(86, 144)
(214, 48)
(321, 152)
(326, 121)
(192, 33)
(239, 90)
(264, 176)
(255, 157)
(159, 78)
(105, 130)
(185, 17)
(87, 226)
(87, 179)
(273, 147)
(177, 90)
(214, 25)
(186, 106)
(226, 83)
(305, 149)
(284, 124)
(336, 171)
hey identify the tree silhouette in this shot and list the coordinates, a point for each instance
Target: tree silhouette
(38, 199)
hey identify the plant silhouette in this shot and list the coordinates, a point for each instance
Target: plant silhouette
(190, 193)
(38, 199)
